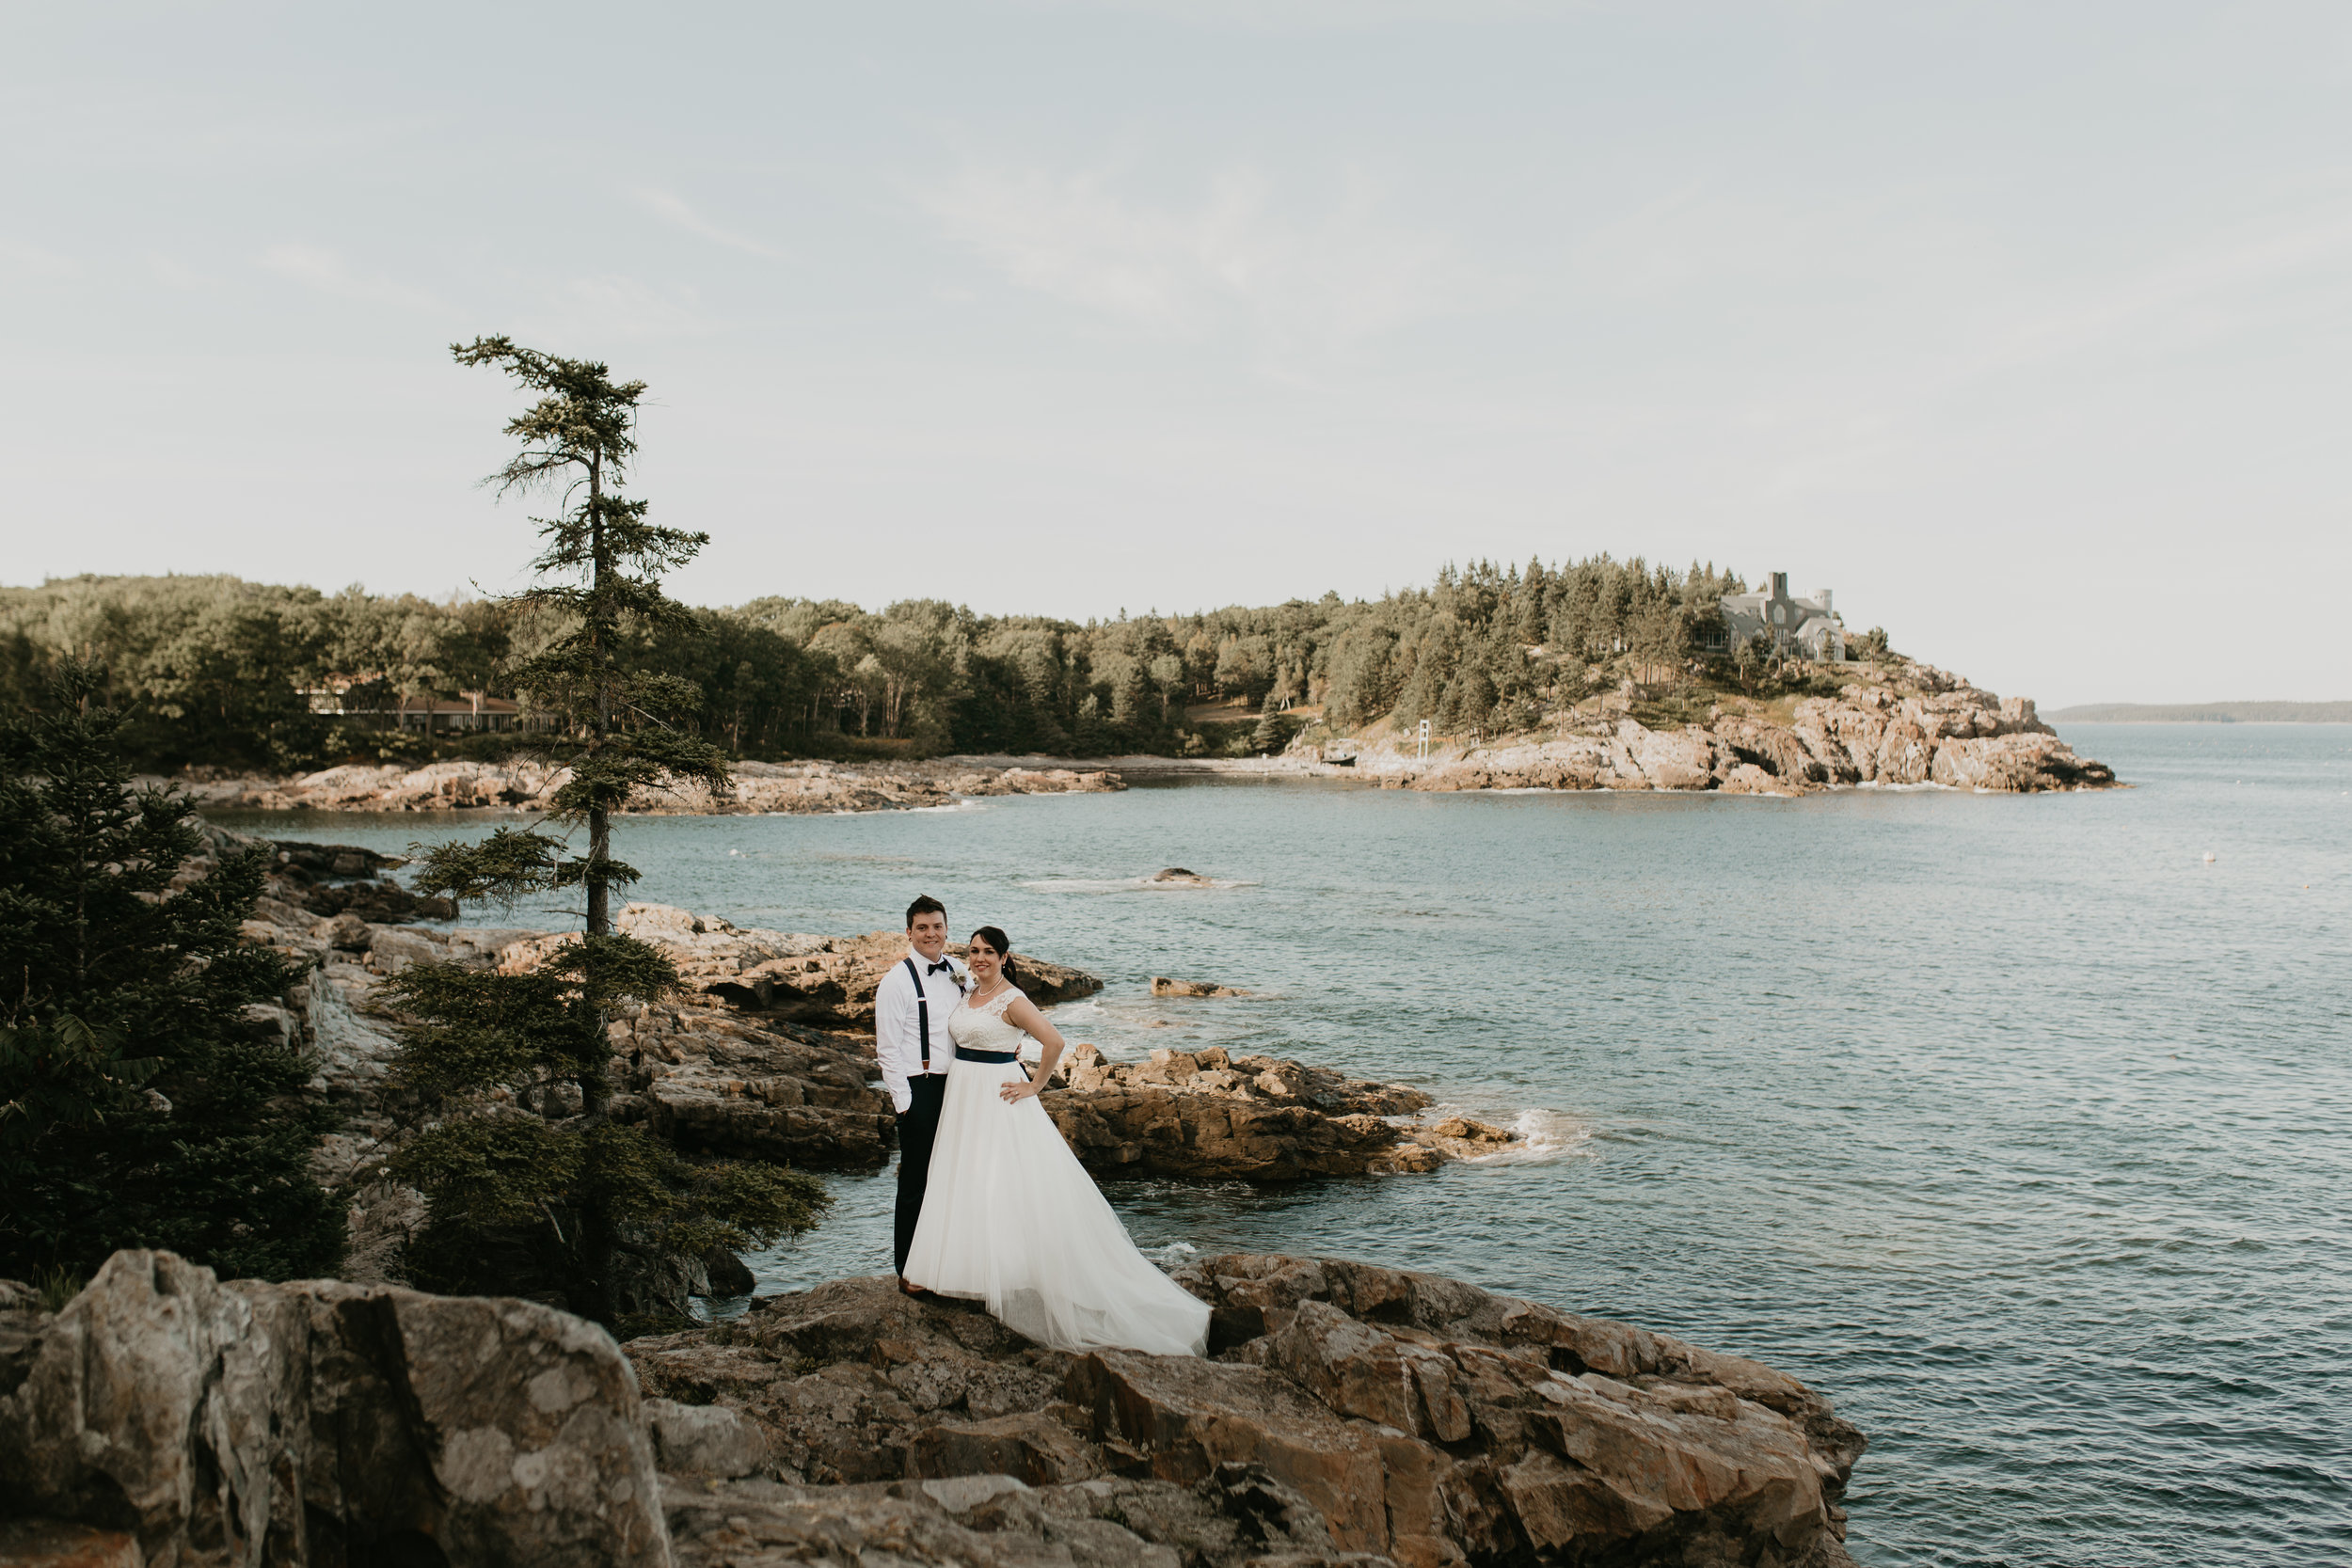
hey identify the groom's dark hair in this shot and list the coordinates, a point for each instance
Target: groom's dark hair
(926, 905)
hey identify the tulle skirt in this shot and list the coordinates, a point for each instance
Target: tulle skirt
(1012, 1220)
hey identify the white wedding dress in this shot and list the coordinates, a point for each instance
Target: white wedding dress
(1012, 1219)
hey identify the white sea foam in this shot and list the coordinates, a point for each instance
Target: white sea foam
(1547, 1138)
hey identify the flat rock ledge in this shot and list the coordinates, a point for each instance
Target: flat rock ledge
(1211, 1115)
(1347, 1414)
(807, 788)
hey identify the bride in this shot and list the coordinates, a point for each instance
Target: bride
(1010, 1217)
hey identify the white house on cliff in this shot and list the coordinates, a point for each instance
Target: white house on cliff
(1806, 624)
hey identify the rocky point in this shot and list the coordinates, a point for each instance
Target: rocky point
(767, 1053)
(1913, 725)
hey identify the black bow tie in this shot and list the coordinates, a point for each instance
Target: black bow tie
(944, 964)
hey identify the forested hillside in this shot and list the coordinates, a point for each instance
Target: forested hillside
(217, 670)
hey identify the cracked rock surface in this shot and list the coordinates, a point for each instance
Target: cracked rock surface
(1347, 1413)
(1915, 725)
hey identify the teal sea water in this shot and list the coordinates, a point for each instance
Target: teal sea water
(2017, 1126)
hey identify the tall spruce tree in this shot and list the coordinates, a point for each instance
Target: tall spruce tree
(530, 1186)
(139, 1105)
(601, 571)
(1267, 736)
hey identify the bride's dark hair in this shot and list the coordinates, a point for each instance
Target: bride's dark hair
(995, 936)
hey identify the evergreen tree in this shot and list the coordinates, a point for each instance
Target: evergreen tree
(576, 441)
(139, 1107)
(1267, 736)
(1661, 638)
(1527, 606)
(530, 1186)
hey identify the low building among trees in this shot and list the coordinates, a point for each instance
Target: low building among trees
(366, 705)
(1806, 627)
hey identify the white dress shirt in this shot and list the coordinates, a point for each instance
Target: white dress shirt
(898, 1024)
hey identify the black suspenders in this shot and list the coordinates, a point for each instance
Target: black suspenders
(922, 1012)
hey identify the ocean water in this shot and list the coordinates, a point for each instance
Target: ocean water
(2021, 1127)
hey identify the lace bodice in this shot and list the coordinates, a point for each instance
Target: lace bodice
(983, 1028)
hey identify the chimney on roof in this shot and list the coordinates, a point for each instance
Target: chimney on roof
(1823, 593)
(1780, 585)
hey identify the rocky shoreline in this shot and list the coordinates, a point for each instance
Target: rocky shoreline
(767, 1053)
(1347, 1414)
(1907, 725)
(1916, 725)
(759, 788)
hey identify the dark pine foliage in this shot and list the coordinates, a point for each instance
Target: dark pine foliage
(533, 1189)
(530, 1186)
(601, 576)
(137, 1107)
(213, 664)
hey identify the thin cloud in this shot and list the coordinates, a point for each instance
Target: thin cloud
(323, 271)
(679, 213)
(1181, 269)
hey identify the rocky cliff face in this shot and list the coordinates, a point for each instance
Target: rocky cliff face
(1920, 726)
(759, 787)
(1347, 1414)
(181, 1422)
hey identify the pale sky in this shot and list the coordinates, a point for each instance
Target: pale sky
(2027, 328)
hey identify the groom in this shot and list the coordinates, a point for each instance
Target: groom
(911, 1009)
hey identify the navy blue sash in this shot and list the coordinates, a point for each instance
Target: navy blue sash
(999, 1058)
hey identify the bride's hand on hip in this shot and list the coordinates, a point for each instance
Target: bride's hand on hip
(1014, 1094)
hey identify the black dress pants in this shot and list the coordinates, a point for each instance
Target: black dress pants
(918, 1126)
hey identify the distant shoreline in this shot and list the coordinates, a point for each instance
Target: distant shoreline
(2202, 713)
